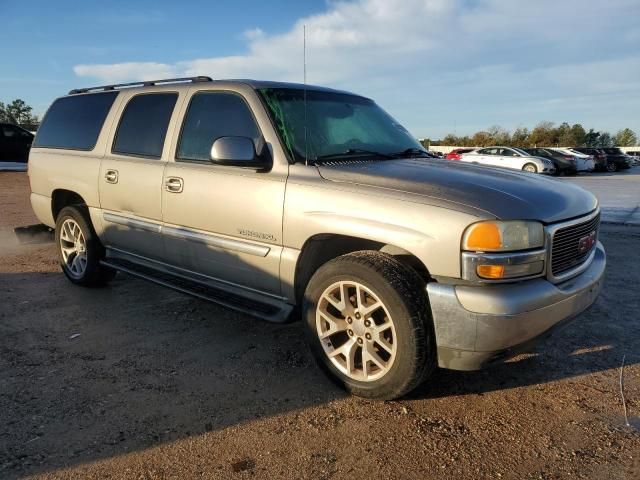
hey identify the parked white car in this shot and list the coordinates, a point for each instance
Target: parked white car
(584, 163)
(509, 157)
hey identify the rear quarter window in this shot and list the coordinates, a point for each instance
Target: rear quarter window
(75, 122)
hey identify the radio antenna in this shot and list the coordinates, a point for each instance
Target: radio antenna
(304, 80)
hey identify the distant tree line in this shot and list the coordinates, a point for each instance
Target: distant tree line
(19, 113)
(545, 134)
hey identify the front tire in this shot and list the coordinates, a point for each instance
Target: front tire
(368, 324)
(79, 249)
(530, 167)
(612, 167)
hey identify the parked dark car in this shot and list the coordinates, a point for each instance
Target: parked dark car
(598, 156)
(15, 143)
(634, 155)
(616, 159)
(565, 164)
(457, 153)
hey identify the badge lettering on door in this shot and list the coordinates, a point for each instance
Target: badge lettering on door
(258, 235)
(587, 242)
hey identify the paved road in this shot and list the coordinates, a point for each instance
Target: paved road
(619, 194)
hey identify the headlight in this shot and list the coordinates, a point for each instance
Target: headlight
(503, 236)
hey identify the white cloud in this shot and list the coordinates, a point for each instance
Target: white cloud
(254, 34)
(438, 56)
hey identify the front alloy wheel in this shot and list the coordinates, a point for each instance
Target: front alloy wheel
(368, 324)
(356, 331)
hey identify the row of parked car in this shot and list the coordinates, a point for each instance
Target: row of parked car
(550, 161)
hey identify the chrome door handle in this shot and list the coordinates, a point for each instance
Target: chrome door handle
(111, 176)
(173, 184)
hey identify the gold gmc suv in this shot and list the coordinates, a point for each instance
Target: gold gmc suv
(291, 201)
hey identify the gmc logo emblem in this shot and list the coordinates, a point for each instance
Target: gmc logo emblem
(587, 242)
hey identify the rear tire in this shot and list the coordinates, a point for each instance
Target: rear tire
(530, 167)
(79, 249)
(612, 167)
(368, 325)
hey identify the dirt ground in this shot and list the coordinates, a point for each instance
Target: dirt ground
(136, 381)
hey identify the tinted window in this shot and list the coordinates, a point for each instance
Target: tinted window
(144, 123)
(75, 122)
(212, 115)
(15, 132)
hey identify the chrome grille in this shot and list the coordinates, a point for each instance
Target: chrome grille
(565, 249)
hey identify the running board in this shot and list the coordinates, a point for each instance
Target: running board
(271, 311)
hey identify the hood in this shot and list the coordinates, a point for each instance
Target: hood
(507, 195)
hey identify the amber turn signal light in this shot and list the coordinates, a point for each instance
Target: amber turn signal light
(491, 271)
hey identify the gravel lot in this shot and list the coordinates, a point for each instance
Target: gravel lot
(135, 381)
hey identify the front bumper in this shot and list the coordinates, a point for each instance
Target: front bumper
(475, 326)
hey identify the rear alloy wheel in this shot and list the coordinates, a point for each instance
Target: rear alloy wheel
(612, 167)
(368, 325)
(79, 249)
(73, 248)
(530, 167)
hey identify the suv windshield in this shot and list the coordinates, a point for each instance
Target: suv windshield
(337, 125)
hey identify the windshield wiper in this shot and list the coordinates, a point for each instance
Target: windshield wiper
(410, 152)
(352, 152)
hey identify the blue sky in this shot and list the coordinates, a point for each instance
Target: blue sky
(438, 66)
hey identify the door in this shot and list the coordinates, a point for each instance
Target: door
(508, 158)
(130, 181)
(220, 221)
(490, 156)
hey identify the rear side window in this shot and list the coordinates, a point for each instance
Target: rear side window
(144, 123)
(212, 115)
(75, 122)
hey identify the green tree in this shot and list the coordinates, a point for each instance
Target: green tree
(592, 138)
(499, 136)
(520, 137)
(565, 136)
(425, 142)
(18, 112)
(606, 140)
(3, 113)
(543, 135)
(481, 139)
(579, 135)
(626, 138)
(450, 139)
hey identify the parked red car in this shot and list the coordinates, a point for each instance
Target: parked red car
(457, 153)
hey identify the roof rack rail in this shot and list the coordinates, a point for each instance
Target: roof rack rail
(144, 83)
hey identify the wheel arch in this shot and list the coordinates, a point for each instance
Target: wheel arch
(61, 198)
(322, 248)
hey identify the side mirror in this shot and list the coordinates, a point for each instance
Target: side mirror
(237, 152)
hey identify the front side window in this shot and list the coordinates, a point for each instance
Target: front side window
(316, 124)
(212, 115)
(144, 123)
(75, 122)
